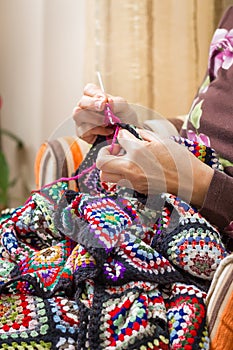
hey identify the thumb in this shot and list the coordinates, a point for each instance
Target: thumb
(128, 141)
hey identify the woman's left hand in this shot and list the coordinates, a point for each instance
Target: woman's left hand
(153, 166)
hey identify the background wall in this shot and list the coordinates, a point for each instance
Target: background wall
(41, 79)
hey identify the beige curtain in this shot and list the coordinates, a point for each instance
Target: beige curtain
(151, 52)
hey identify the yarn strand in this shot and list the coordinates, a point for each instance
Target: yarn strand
(112, 119)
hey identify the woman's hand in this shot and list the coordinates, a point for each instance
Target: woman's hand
(89, 116)
(153, 166)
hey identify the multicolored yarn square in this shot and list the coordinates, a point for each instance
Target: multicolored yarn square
(30, 322)
(186, 317)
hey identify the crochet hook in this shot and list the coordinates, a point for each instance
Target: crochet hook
(108, 112)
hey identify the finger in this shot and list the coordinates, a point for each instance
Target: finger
(128, 141)
(86, 102)
(110, 177)
(121, 108)
(92, 103)
(112, 150)
(125, 134)
(112, 164)
(94, 90)
(109, 161)
(148, 135)
(118, 104)
(102, 130)
(82, 116)
(90, 129)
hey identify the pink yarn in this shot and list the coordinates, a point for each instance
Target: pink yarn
(76, 177)
(110, 118)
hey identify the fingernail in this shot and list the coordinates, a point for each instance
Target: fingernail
(122, 133)
(99, 105)
(110, 131)
(100, 96)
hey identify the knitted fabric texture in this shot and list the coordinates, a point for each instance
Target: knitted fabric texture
(100, 269)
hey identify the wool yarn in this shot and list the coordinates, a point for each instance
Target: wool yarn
(99, 269)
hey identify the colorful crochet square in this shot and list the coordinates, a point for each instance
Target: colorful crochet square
(30, 322)
(136, 317)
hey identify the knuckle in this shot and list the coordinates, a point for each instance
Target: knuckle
(120, 99)
(75, 112)
(89, 86)
(79, 131)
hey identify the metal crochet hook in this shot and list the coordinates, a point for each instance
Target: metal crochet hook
(110, 117)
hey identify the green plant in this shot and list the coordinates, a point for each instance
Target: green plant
(5, 181)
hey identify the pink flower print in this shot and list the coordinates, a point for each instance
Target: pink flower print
(200, 138)
(221, 51)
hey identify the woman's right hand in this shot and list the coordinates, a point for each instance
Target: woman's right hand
(154, 165)
(89, 117)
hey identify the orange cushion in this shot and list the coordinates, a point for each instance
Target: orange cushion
(59, 158)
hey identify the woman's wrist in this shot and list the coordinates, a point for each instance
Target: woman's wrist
(202, 178)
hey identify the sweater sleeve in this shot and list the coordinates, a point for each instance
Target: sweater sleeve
(218, 204)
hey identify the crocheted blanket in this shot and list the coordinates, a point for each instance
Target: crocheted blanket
(102, 269)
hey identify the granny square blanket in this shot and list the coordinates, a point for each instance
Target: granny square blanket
(106, 268)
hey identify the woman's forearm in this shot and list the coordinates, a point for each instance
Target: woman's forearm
(218, 203)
